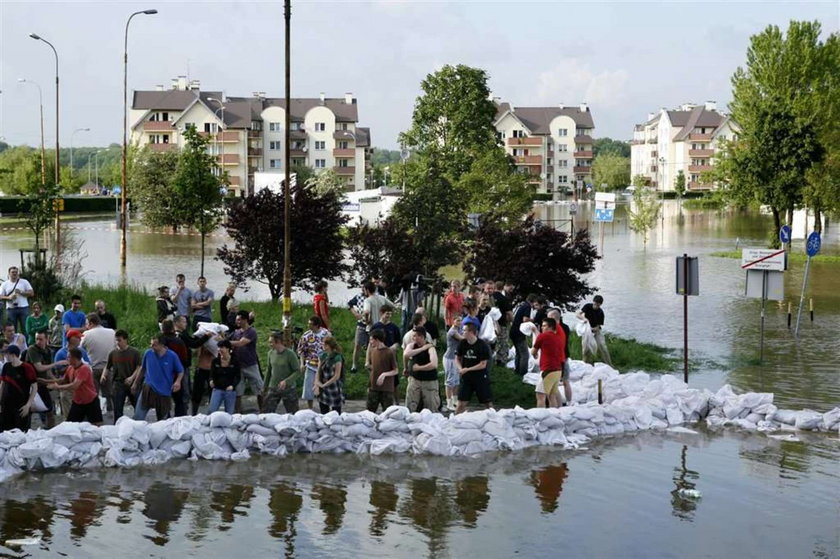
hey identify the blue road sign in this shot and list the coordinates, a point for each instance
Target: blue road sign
(604, 214)
(812, 247)
(784, 234)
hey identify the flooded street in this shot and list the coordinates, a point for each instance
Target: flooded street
(618, 498)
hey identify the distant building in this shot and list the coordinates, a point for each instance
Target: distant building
(324, 132)
(553, 145)
(685, 139)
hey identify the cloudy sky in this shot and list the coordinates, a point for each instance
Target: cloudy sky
(624, 59)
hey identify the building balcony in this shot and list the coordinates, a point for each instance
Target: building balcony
(582, 169)
(227, 136)
(163, 147)
(652, 140)
(157, 126)
(346, 135)
(252, 170)
(654, 154)
(653, 169)
(297, 134)
(255, 133)
(700, 137)
(583, 139)
(699, 168)
(234, 180)
(344, 152)
(528, 159)
(255, 152)
(699, 186)
(701, 152)
(229, 159)
(344, 171)
(297, 153)
(583, 154)
(525, 141)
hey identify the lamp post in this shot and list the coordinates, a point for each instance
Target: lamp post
(57, 163)
(71, 147)
(287, 263)
(221, 108)
(96, 160)
(88, 165)
(43, 150)
(124, 185)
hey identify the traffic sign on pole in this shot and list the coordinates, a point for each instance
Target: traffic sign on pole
(812, 247)
(604, 214)
(784, 234)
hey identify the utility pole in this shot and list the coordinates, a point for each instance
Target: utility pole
(287, 262)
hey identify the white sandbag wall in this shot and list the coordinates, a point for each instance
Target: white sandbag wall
(633, 402)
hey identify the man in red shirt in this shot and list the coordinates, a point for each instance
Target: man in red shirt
(453, 304)
(85, 405)
(551, 345)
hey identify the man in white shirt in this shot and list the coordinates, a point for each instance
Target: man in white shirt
(99, 342)
(16, 292)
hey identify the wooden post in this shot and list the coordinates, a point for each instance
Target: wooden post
(600, 392)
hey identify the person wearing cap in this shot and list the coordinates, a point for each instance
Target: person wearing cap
(18, 387)
(79, 380)
(75, 318)
(55, 329)
(62, 360)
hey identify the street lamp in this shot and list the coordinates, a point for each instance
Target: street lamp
(96, 160)
(123, 216)
(57, 164)
(287, 262)
(71, 147)
(662, 171)
(43, 150)
(216, 137)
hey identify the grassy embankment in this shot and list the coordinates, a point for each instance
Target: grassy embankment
(709, 203)
(793, 256)
(135, 312)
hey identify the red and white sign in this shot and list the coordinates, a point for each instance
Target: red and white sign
(763, 259)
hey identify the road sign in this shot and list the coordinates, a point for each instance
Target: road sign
(605, 197)
(573, 208)
(691, 268)
(773, 287)
(812, 247)
(763, 259)
(603, 214)
(784, 234)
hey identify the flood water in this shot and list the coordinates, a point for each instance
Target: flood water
(760, 497)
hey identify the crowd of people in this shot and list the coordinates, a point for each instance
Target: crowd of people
(73, 365)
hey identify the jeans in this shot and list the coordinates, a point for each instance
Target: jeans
(522, 355)
(119, 392)
(218, 396)
(17, 316)
(181, 399)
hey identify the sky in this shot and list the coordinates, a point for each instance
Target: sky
(625, 59)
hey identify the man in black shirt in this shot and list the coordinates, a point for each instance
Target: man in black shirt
(473, 362)
(520, 342)
(594, 314)
(201, 384)
(423, 380)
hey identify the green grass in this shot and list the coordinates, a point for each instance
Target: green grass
(797, 256)
(136, 312)
(704, 204)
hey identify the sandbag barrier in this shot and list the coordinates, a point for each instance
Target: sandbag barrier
(633, 402)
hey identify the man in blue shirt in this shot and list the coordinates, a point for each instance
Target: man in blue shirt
(161, 374)
(75, 318)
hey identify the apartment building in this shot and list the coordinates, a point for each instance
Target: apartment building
(553, 145)
(685, 139)
(248, 133)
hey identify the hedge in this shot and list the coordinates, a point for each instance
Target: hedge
(11, 205)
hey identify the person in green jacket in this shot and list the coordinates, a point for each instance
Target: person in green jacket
(36, 322)
(283, 374)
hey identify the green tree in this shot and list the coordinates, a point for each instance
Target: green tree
(151, 188)
(644, 212)
(21, 174)
(492, 186)
(608, 145)
(39, 210)
(326, 181)
(198, 187)
(679, 183)
(640, 181)
(453, 119)
(611, 169)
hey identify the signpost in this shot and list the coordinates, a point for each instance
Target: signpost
(688, 284)
(784, 234)
(812, 247)
(765, 270)
(573, 207)
(604, 211)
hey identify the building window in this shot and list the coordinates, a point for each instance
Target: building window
(343, 163)
(189, 125)
(519, 134)
(562, 163)
(320, 126)
(275, 163)
(274, 145)
(562, 132)
(320, 145)
(343, 126)
(159, 117)
(562, 179)
(695, 178)
(159, 139)
(297, 126)
(562, 147)
(581, 131)
(343, 145)
(500, 134)
(274, 127)
(320, 163)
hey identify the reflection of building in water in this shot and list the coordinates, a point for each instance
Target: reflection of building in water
(85, 510)
(164, 505)
(284, 503)
(429, 507)
(383, 499)
(472, 495)
(227, 503)
(548, 484)
(26, 519)
(681, 506)
(332, 501)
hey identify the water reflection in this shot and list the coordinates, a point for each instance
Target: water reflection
(548, 484)
(383, 499)
(472, 496)
(332, 501)
(683, 506)
(231, 502)
(163, 506)
(85, 511)
(284, 504)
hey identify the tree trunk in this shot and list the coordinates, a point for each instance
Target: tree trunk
(817, 219)
(777, 223)
(790, 224)
(202, 252)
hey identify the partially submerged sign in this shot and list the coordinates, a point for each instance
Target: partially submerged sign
(763, 259)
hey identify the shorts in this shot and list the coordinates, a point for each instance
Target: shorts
(450, 367)
(90, 412)
(426, 391)
(362, 335)
(377, 398)
(478, 383)
(309, 383)
(252, 376)
(540, 387)
(550, 381)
